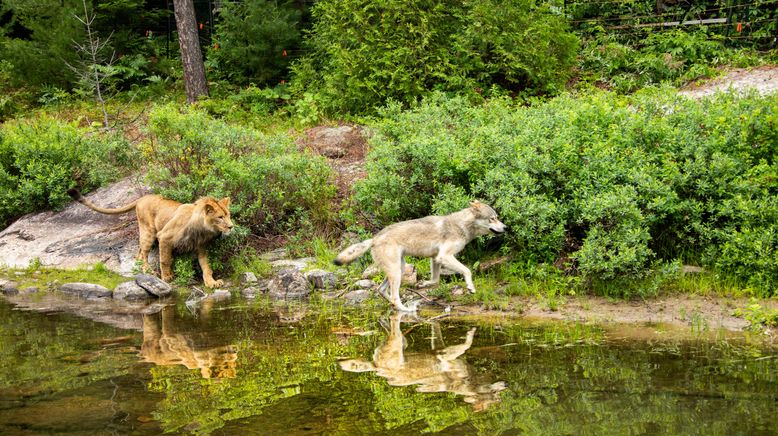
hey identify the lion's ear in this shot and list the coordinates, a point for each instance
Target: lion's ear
(209, 209)
(225, 202)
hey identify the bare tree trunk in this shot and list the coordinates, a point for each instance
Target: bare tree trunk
(191, 57)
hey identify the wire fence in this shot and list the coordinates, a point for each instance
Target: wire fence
(738, 22)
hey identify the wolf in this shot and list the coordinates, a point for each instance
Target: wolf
(438, 237)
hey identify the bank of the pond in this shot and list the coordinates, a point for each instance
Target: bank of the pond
(684, 312)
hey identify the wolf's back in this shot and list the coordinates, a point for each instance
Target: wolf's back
(353, 252)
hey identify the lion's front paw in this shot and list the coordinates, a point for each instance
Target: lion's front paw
(214, 283)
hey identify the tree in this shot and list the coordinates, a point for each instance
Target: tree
(191, 57)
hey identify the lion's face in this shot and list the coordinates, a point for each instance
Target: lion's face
(217, 215)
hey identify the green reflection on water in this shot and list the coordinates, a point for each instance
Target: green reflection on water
(243, 367)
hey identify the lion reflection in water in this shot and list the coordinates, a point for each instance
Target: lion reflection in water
(162, 345)
(443, 371)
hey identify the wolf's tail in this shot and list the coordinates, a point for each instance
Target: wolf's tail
(353, 252)
(75, 195)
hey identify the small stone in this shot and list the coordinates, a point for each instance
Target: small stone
(371, 271)
(364, 284)
(356, 297)
(130, 291)
(289, 283)
(333, 152)
(457, 291)
(86, 290)
(220, 295)
(321, 279)
(30, 290)
(298, 264)
(273, 255)
(248, 277)
(8, 287)
(153, 285)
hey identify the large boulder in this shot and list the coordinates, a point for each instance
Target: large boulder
(77, 235)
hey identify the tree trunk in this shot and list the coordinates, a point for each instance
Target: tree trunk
(191, 57)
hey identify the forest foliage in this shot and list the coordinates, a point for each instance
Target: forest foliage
(614, 186)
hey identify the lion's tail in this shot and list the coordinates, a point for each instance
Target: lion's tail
(353, 252)
(73, 193)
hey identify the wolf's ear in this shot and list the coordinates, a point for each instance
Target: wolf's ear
(475, 204)
(225, 202)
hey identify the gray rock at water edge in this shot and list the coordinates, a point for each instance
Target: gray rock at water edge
(8, 287)
(289, 283)
(29, 290)
(261, 287)
(364, 284)
(248, 277)
(220, 295)
(130, 291)
(321, 279)
(356, 297)
(153, 285)
(86, 290)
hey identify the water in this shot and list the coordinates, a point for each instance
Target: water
(254, 367)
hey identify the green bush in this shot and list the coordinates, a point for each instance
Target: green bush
(253, 40)
(274, 187)
(670, 56)
(364, 53)
(616, 187)
(41, 159)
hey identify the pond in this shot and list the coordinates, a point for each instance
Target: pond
(245, 366)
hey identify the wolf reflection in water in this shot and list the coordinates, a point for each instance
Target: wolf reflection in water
(441, 371)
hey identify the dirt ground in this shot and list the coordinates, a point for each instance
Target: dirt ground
(763, 79)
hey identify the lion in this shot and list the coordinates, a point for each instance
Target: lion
(181, 227)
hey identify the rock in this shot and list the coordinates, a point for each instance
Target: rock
(220, 295)
(333, 152)
(298, 264)
(77, 235)
(262, 286)
(289, 283)
(30, 290)
(153, 285)
(457, 291)
(364, 284)
(321, 279)
(371, 271)
(409, 273)
(334, 137)
(86, 290)
(691, 269)
(130, 291)
(273, 255)
(8, 287)
(356, 297)
(248, 277)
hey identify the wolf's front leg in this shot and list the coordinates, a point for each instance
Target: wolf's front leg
(435, 269)
(451, 263)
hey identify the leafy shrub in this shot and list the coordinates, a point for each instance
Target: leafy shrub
(616, 188)
(41, 159)
(253, 40)
(363, 53)
(662, 56)
(273, 186)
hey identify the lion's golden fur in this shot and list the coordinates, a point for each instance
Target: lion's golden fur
(177, 226)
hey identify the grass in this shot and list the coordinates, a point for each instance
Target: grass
(50, 278)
